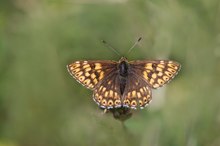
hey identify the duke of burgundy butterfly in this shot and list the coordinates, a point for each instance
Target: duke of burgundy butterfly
(119, 86)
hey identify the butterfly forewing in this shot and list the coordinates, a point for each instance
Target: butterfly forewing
(90, 73)
(155, 73)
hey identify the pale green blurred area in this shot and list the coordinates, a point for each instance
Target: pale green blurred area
(41, 105)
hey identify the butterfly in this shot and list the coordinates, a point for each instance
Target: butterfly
(123, 84)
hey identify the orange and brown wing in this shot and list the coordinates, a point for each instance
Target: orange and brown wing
(107, 94)
(156, 73)
(90, 73)
(144, 75)
(137, 92)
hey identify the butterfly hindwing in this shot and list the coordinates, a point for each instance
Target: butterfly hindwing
(90, 73)
(107, 93)
(155, 73)
(137, 93)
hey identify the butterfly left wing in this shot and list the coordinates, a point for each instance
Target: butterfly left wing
(155, 73)
(90, 73)
(107, 93)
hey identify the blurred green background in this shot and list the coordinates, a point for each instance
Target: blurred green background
(41, 105)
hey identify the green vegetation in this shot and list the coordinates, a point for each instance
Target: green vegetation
(41, 105)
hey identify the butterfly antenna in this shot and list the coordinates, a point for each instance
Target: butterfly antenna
(110, 47)
(139, 39)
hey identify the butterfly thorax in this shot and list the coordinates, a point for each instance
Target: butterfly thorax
(123, 68)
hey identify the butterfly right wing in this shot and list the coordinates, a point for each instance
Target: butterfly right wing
(137, 93)
(144, 75)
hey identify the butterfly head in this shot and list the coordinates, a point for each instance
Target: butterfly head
(123, 59)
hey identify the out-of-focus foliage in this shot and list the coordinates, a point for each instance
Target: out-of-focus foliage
(41, 105)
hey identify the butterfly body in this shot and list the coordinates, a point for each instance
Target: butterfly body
(123, 67)
(123, 84)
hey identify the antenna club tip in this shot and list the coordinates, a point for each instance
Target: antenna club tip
(103, 41)
(139, 39)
